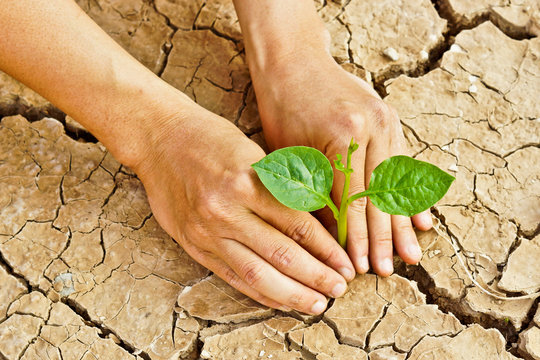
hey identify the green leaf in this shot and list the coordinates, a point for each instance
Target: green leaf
(299, 177)
(402, 185)
(339, 164)
(352, 146)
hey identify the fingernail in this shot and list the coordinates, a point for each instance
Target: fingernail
(346, 273)
(386, 266)
(318, 307)
(339, 289)
(363, 264)
(428, 221)
(285, 308)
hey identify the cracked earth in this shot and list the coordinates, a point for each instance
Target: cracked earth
(87, 273)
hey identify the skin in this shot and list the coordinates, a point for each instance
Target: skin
(202, 190)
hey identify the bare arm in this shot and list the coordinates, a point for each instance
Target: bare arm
(57, 50)
(195, 165)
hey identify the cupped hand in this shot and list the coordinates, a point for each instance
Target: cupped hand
(204, 193)
(314, 102)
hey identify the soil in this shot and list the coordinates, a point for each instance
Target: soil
(87, 273)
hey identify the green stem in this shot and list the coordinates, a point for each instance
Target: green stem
(333, 207)
(342, 217)
(358, 196)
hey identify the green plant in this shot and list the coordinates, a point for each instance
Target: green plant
(301, 178)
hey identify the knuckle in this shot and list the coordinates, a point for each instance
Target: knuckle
(320, 279)
(252, 273)
(242, 183)
(301, 231)
(211, 207)
(232, 278)
(281, 256)
(330, 253)
(404, 227)
(198, 254)
(296, 300)
(358, 205)
(361, 239)
(383, 238)
(351, 122)
(194, 227)
(357, 186)
(381, 114)
(348, 118)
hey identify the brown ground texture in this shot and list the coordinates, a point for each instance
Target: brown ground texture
(87, 273)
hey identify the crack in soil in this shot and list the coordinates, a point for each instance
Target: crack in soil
(103, 331)
(427, 286)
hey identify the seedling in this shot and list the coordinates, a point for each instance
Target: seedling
(301, 178)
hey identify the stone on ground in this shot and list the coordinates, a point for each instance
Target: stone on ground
(529, 343)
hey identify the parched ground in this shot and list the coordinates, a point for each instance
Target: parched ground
(87, 273)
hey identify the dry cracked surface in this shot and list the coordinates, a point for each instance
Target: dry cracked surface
(87, 273)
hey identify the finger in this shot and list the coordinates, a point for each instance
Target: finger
(357, 230)
(357, 240)
(405, 239)
(221, 269)
(380, 240)
(289, 258)
(379, 223)
(267, 280)
(309, 234)
(423, 221)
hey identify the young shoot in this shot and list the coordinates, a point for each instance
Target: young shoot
(301, 178)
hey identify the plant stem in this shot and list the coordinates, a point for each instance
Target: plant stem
(333, 207)
(358, 196)
(342, 217)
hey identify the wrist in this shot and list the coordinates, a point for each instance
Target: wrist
(136, 120)
(289, 52)
(281, 33)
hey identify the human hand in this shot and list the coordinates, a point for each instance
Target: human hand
(318, 104)
(194, 165)
(203, 192)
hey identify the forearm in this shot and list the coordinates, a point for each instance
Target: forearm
(278, 32)
(57, 50)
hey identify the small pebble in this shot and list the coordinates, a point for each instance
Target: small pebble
(261, 353)
(456, 48)
(391, 53)
(186, 290)
(473, 89)
(424, 55)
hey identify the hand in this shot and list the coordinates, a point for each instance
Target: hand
(317, 103)
(204, 193)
